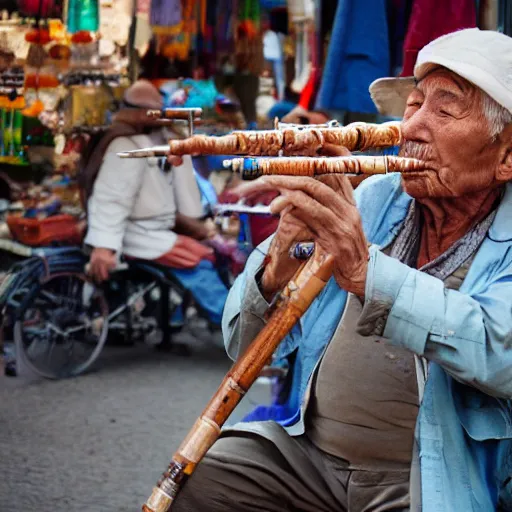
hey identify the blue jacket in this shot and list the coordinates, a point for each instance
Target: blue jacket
(464, 425)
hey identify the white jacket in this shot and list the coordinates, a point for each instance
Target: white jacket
(134, 202)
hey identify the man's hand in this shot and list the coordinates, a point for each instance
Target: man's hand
(195, 228)
(320, 210)
(326, 150)
(211, 229)
(174, 160)
(280, 267)
(101, 263)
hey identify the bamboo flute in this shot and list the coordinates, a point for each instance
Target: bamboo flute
(252, 168)
(290, 305)
(355, 137)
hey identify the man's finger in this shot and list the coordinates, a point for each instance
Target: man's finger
(174, 160)
(278, 205)
(250, 188)
(313, 214)
(334, 150)
(322, 192)
(341, 184)
(316, 189)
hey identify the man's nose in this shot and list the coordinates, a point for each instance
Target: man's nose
(416, 126)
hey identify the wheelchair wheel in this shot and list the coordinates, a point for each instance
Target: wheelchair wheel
(61, 326)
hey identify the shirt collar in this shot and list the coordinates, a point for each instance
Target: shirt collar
(501, 229)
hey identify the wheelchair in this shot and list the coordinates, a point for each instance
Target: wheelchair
(60, 320)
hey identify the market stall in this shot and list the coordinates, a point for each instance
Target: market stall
(62, 72)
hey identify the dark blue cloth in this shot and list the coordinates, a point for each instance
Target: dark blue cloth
(206, 287)
(280, 109)
(358, 54)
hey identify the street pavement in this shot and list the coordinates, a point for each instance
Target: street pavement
(99, 442)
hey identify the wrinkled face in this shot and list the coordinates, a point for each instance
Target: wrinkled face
(444, 125)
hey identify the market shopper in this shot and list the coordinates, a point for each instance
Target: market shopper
(148, 208)
(405, 359)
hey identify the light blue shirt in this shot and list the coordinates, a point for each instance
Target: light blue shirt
(465, 420)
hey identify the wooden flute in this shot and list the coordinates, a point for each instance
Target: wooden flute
(289, 306)
(252, 168)
(295, 140)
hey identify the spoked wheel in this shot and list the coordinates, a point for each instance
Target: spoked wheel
(62, 326)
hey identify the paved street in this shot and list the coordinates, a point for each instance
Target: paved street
(100, 441)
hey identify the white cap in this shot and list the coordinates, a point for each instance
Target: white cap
(483, 57)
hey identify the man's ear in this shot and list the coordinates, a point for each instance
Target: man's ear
(504, 171)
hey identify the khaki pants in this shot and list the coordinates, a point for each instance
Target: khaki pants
(270, 471)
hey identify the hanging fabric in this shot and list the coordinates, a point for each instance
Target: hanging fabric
(248, 38)
(226, 19)
(273, 53)
(83, 15)
(206, 57)
(309, 92)
(399, 12)
(300, 10)
(40, 8)
(431, 19)
(358, 54)
(488, 14)
(166, 16)
(250, 17)
(176, 41)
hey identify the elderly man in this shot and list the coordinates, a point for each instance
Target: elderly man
(404, 362)
(145, 209)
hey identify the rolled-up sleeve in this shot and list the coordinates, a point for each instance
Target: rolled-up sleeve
(467, 335)
(245, 308)
(114, 194)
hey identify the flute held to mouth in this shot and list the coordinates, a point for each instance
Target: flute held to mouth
(252, 168)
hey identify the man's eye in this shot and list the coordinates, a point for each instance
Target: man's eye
(414, 104)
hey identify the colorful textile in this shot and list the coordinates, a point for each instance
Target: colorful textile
(165, 13)
(431, 19)
(39, 8)
(399, 12)
(224, 25)
(200, 93)
(354, 59)
(208, 290)
(83, 15)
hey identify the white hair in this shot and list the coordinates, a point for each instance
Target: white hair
(497, 116)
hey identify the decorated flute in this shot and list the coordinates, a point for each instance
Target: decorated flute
(299, 141)
(252, 168)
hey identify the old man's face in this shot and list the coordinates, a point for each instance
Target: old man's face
(444, 125)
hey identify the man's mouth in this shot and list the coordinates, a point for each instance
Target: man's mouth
(417, 151)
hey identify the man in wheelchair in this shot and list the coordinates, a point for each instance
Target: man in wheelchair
(148, 209)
